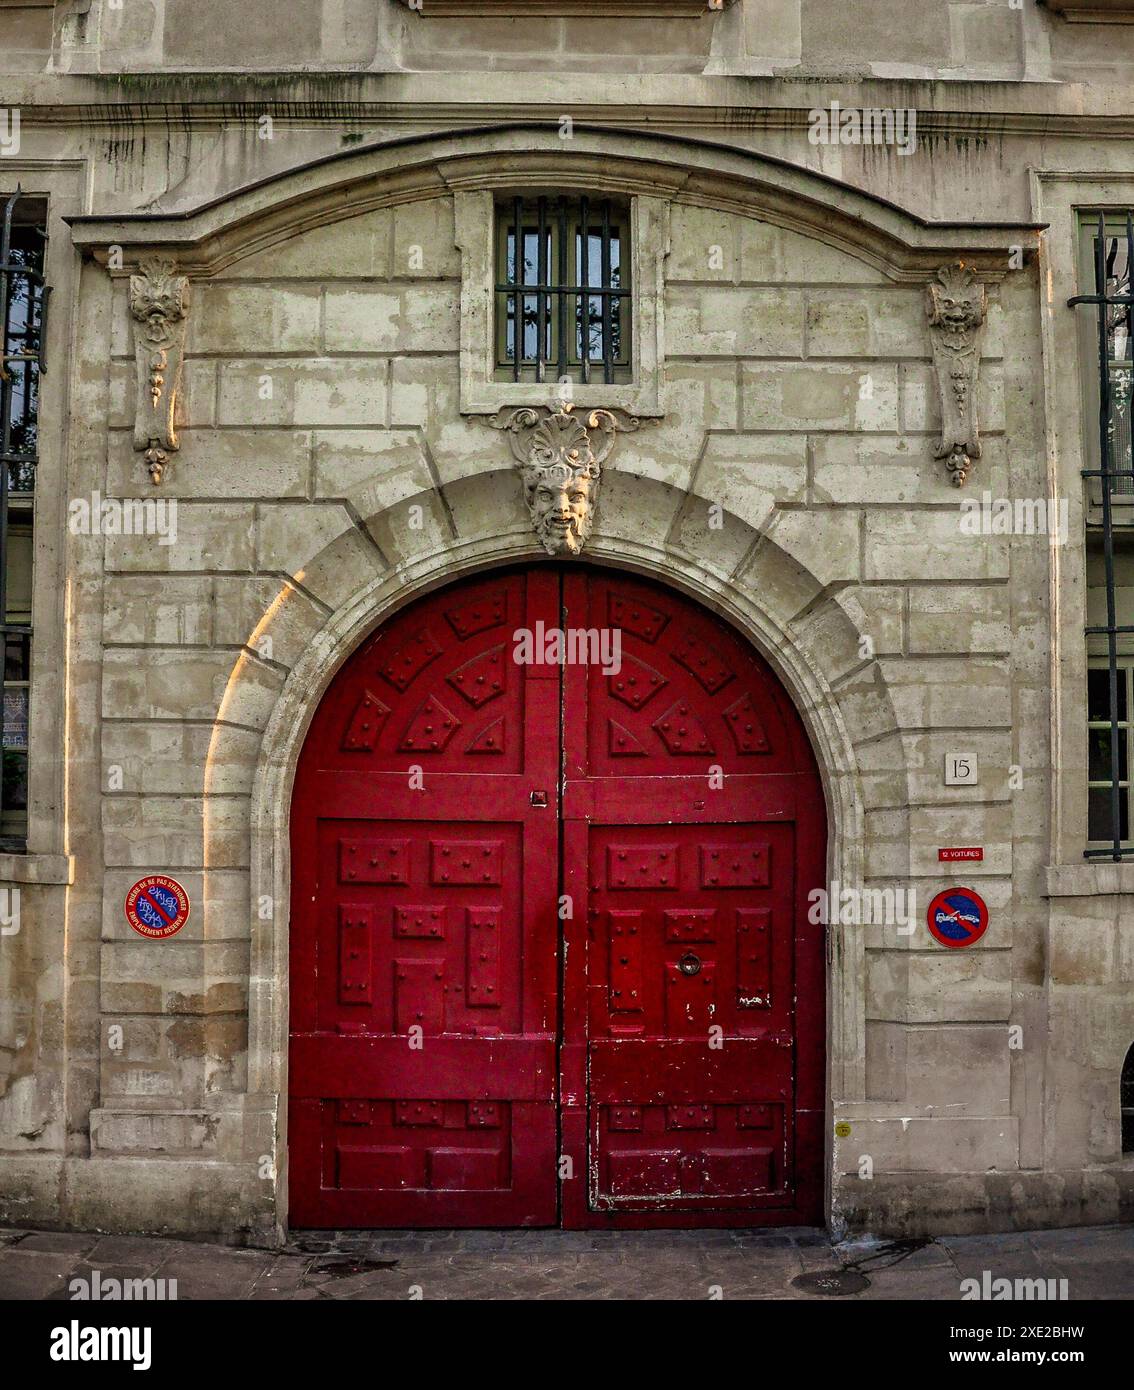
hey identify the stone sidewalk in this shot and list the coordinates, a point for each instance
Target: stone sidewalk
(1097, 1262)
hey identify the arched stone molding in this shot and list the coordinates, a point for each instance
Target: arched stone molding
(807, 628)
(217, 234)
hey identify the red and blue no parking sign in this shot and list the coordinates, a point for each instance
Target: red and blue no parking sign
(957, 917)
(157, 906)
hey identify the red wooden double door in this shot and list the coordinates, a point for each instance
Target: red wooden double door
(550, 955)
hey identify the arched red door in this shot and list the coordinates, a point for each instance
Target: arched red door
(550, 955)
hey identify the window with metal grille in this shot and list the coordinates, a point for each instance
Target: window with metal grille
(23, 311)
(1101, 735)
(1109, 240)
(563, 295)
(1126, 1102)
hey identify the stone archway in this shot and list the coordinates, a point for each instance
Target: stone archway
(808, 636)
(427, 903)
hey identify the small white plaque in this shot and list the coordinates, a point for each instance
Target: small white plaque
(961, 770)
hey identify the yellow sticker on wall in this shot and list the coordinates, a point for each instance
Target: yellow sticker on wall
(842, 1129)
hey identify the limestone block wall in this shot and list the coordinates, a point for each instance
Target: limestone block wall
(946, 38)
(321, 404)
(325, 474)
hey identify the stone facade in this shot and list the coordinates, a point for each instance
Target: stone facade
(324, 424)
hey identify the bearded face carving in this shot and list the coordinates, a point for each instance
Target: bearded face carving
(560, 462)
(561, 474)
(562, 505)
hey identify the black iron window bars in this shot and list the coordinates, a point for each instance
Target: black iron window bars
(562, 290)
(1113, 259)
(23, 334)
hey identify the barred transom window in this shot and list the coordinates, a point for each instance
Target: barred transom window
(563, 294)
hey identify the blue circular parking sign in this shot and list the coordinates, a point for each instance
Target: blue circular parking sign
(157, 906)
(958, 917)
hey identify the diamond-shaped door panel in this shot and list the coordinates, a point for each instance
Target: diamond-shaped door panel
(479, 614)
(642, 619)
(431, 728)
(405, 663)
(491, 739)
(483, 678)
(635, 684)
(621, 742)
(701, 660)
(682, 731)
(366, 724)
(746, 727)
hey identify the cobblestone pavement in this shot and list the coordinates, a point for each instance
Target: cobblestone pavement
(1097, 1262)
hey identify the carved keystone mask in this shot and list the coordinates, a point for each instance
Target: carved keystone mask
(560, 462)
(957, 305)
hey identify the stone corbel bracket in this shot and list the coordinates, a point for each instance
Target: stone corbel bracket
(159, 306)
(560, 456)
(958, 306)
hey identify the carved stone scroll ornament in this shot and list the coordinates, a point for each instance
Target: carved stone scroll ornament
(159, 305)
(958, 305)
(560, 461)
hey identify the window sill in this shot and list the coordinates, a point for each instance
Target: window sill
(487, 397)
(1093, 11)
(1089, 880)
(37, 868)
(564, 9)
